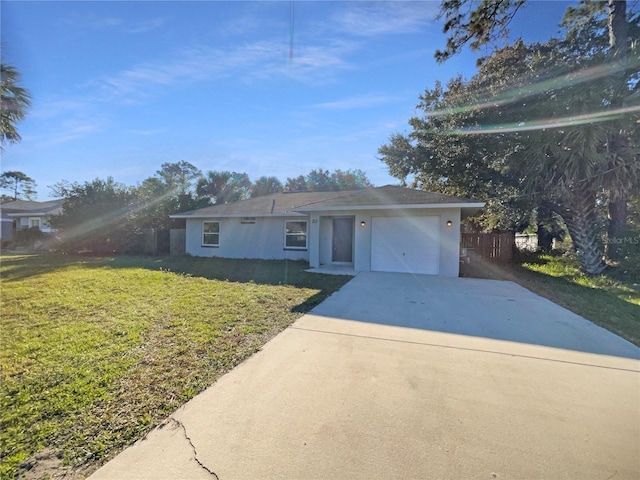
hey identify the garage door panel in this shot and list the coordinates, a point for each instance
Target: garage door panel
(405, 244)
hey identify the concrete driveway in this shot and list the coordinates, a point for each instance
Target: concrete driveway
(413, 377)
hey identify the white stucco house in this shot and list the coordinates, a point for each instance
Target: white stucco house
(20, 214)
(387, 228)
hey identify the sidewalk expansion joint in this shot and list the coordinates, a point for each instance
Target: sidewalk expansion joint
(179, 424)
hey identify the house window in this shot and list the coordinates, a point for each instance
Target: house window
(211, 234)
(34, 222)
(248, 220)
(295, 234)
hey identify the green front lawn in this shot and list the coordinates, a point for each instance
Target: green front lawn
(97, 351)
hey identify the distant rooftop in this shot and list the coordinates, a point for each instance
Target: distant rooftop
(17, 207)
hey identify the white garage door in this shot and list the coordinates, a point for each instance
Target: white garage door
(405, 244)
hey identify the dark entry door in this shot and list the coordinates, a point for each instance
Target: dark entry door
(342, 240)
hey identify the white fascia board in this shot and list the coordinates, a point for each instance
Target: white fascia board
(394, 207)
(28, 214)
(264, 215)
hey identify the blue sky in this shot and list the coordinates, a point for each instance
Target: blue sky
(121, 87)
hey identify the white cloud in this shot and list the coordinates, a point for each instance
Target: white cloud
(360, 101)
(376, 18)
(144, 133)
(262, 60)
(147, 25)
(72, 131)
(107, 22)
(52, 109)
(94, 22)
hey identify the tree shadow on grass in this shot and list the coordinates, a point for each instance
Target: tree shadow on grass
(16, 267)
(265, 272)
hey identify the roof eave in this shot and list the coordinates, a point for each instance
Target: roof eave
(394, 207)
(237, 215)
(30, 214)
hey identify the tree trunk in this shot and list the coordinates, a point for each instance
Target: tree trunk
(545, 239)
(617, 223)
(618, 41)
(580, 218)
(617, 18)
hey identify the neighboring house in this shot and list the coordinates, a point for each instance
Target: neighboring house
(388, 228)
(20, 214)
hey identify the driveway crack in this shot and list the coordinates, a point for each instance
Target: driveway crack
(179, 424)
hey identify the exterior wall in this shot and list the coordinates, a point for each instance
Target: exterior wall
(263, 239)
(6, 229)
(326, 240)
(321, 233)
(23, 222)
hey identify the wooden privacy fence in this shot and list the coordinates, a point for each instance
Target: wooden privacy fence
(178, 241)
(496, 247)
(155, 242)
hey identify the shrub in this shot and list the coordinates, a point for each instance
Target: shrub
(28, 237)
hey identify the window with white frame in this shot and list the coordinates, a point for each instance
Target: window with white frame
(211, 234)
(295, 234)
(34, 222)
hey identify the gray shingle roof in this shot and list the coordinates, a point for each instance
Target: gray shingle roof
(267, 205)
(279, 204)
(384, 197)
(26, 207)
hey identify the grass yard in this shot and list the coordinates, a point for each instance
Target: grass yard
(611, 299)
(97, 351)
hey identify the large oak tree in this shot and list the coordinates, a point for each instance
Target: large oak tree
(478, 23)
(535, 122)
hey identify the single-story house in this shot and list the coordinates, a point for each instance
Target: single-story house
(387, 228)
(20, 214)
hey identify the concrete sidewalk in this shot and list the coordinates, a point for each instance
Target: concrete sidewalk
(342, 398)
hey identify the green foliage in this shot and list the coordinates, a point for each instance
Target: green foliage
(14, 102)
(224, 187)
(296, 184)
(96, 216)
(179, 177)
(538, 124)
(435, 156)
(476, 23)
(627, 247)
(27, 237)
(170, 191)
(265, 186)
(97, 351)
(104, 216)
(323, 180)
(611, 299)
(19, 184)
(479, 23)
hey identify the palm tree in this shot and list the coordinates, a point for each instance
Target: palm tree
(265, 186)
(14, 102)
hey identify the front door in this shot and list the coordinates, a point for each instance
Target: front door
(342, 240)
